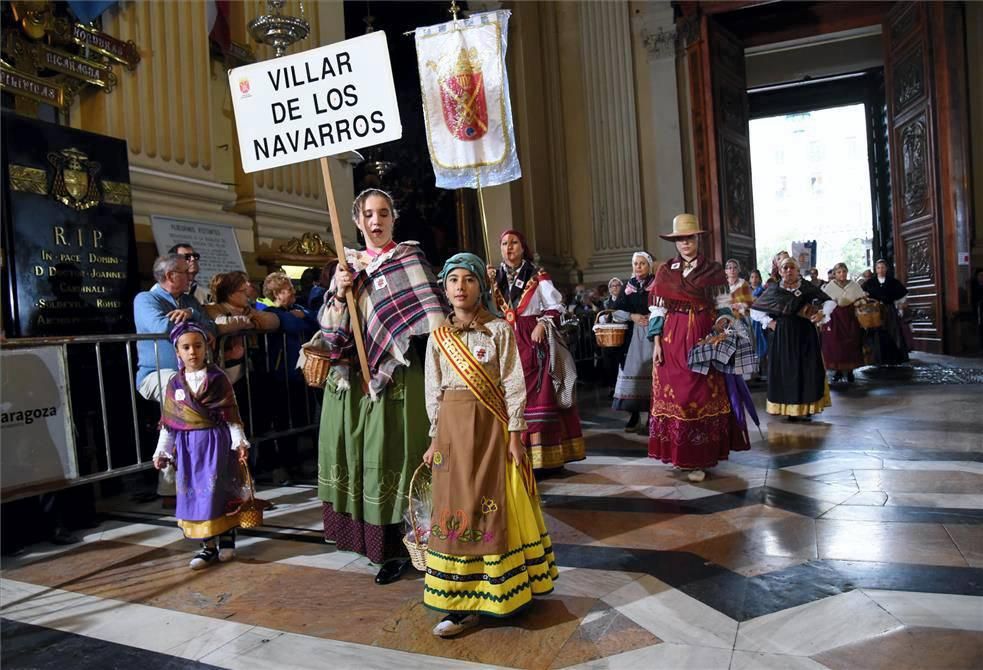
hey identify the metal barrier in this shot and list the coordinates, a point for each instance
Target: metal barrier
(278, 419)
(264, 368)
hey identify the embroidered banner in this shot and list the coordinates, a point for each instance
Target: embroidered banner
(466, 106)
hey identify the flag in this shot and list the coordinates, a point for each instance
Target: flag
(466, 106)
(87, 11)
(217, 16)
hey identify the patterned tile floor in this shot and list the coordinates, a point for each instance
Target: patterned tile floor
(855, 541)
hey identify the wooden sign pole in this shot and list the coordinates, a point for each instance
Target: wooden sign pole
(339, 246)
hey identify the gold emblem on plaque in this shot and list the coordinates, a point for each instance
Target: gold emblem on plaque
(309, 244)
(75, 183)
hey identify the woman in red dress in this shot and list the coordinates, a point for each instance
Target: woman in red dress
(692, 424)
(532, 305)
(842, 337)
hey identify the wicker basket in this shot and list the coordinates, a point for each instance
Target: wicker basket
(609, 335)
(417, 550)
(251, 510)
(316, 366)
(868, 313)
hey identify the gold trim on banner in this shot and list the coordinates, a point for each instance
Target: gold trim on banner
(28, 180)
(501, 98)
(116, 193)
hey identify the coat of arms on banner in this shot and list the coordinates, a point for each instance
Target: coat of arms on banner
(466, 105)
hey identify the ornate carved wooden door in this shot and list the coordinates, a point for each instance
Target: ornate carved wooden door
(913, 147)
(718, 89)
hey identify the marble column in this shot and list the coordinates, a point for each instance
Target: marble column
(653, 27)
(612, 130)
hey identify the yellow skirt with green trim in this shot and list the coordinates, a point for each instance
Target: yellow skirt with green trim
(497, 585)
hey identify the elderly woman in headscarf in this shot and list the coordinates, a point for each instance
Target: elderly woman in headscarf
(842, 337)
(889, 344)
(633, 390)
(615, 287)
(532, 305)
(775, 276)
(792, 310)
(489, 551)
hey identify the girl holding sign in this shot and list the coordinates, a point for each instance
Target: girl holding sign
(488, 552)
(373, 431)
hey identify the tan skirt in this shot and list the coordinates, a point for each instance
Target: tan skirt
(469, 515)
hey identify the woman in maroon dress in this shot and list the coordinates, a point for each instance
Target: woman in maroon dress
(532, 305)
(692, 424)
(842, 337)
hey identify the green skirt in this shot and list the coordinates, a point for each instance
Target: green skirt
(367, 451)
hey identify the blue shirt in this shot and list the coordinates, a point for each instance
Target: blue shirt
(298, 331)
(150, 309)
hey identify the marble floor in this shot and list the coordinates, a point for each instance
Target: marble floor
(854, 541)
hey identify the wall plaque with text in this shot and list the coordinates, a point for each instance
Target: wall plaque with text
(69, 256)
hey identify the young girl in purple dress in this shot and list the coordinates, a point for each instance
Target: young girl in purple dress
(201, 432)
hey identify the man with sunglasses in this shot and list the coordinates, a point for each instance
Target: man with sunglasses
(189, 254)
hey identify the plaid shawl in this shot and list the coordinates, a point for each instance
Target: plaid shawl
(397, 298)
(733, 354)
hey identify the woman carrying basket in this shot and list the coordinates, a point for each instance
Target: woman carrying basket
(842, 337)
(488, 550)
(633, 390)
(201, 432)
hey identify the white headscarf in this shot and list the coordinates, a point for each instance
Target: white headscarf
(642, 254)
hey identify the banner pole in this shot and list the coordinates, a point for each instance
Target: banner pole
(339, 246)
(484, 220)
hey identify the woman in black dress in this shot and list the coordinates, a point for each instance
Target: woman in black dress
(887, 345)
(791, 310)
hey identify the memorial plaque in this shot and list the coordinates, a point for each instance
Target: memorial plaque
(69, 256)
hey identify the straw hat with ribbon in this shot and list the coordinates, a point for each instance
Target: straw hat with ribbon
(684, 225)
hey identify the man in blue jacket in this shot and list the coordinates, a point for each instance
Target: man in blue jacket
(157, 311)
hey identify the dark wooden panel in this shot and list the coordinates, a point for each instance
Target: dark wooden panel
(912, 133)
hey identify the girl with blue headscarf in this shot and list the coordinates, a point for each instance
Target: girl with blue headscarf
(488, 548)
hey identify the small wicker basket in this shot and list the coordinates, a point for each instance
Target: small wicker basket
(417, 550)
(316, 366)
(251, 510)
(868, 313)
(609, 335)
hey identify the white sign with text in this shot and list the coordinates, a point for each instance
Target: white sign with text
(217, 244)
(320, 102)
(36, 439)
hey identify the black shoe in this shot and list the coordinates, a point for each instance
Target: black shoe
(837, 377)
(850, 378)
(632, 422)
(392, 570)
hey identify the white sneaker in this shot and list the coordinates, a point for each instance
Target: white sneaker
(203, 559)
(448, 627)
(696, 476)
(226, 555)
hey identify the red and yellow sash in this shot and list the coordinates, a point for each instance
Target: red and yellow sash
(527, 294)
(484, 388)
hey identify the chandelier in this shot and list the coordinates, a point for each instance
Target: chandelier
(277, 29)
